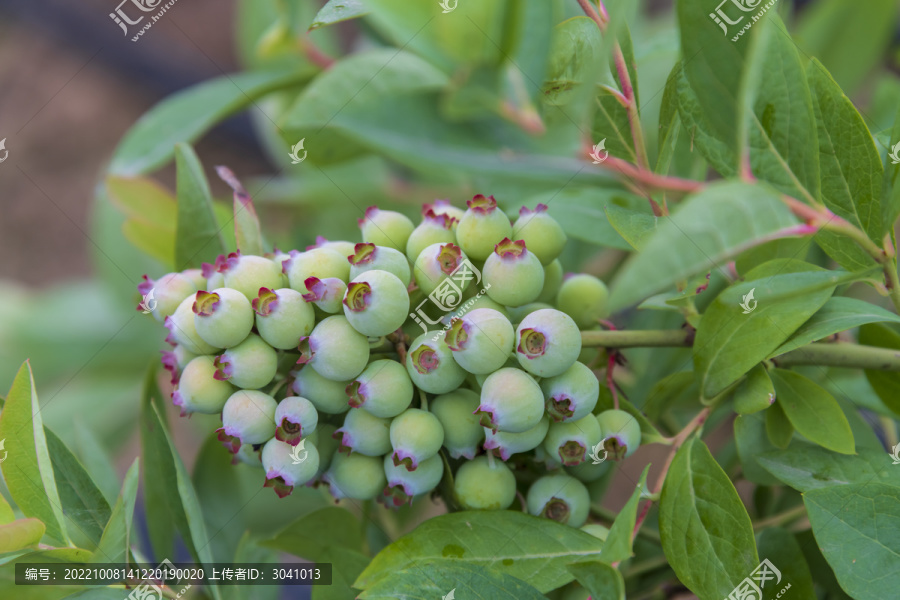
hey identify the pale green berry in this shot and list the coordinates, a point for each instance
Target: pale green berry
(369, 257)
(403, 485)
(376, 303)
(247, 274)
(196, 277)
(182, 331)
(559, 497)
(326, 294)
(553, 279)
(382, 389)
(416, 435)
(571, 441)
(435, 268)
(517, 313)
(482, 226)
(364, 433)
(283, 317)
(587, 471)
(481, 484)
(161, 297)
(318, 262)
(327, 396)
(513, 276)
(223, 317)
(295, 418)
(175, 360)
(542, 233)
(572, 394)
(584, 298)
(443, 207)
(621, 433)
(479, 300)
(481, 341)
(335, 349)
(386, 228)
(342, 247)
(248, 455)
(325, 443)
(247, 418)
(431, 367)
(198, 389)
(511, 400)
(463, 433)
(283, 471)
(434, 229)
(249, 365)
(505, 444)
(355, 476)
(548, 342)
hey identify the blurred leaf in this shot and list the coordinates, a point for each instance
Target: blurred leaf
(221, 495)
(813, 412)
(20, 534)
(437, 578)
(890, 193)
(188, 114)
(702, 234)
(6, 512)
(96, 461)
(157, 496)
(197, 237)
(482, 539)
(247, 231)
(28, 470)
(618, 544)
(885, 383)
(337, 11)
(249, 552)
(150, 215)
(705, 530)
(155, 241)
(635, 226)
(751, 440)
(115, 545)
(600, 579)
(781, 549)
(576, 47)
(805, 467)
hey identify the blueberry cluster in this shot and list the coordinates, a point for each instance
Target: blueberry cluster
(354, 365)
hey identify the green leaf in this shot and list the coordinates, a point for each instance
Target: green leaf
(705, 530)
(188, 114)
(437, 578)
(636, 227)
(813, 412)
(197, 233)
(755, 393)
(729, 343)
(838, 314)
(600, 579)
(20, 534)
(533, 549)
(6, 512)
(778, 427)
(618, 545)
(28, 470)
(708, 229)
(574, 62)
(751, 441)
(782, 550)
(249, 552)
(150, 212)
(890, 189)
(856, 527)
(96, 461)
(805, 467)
(885, 383)
(337, 11)
(247, 231)
(160, 516)
(115, 545)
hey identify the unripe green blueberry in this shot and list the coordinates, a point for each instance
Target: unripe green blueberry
(463, 433)
(382, 389)
(247, 274)
(248, 455)
(318, 262)
(434, 229)
(325, 443)
(542, 234)
(183, 332)
(513, 276)
(516, 314)
(247, 418)
(511, 400)
(386, 228)
(214, 277)
(335, 350)
(196, 277)
(553, 278)
(403, 485)
(278, 257)
(511, 363)
(484, 484)
(376, 303)
(481, 341)
(342, 247)
(369, 257)
(443, 207)
(416, 435)
(559, 497)
(550, 462)
(595, 529)
(479, 300)
(283, 471)
(295, 418)
(163, 296)
(482, 226)
(283, 317)
(584, 298)
(364, 433)
(571, 441)
(548, 342)
(431, 367)
(572, 394)
(249, 365)
(175, 360)
(587, 471)
(434, 265)
(355, 476)
(621, 433)
(199, 391)
(505, 444)
(327, 294)
(223, 317)
(327, 396)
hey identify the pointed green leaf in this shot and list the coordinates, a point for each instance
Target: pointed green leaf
(805, 467)
(160, 516)
(247, 231)
(338, 11)
(751, 440)
(885, 383)
(708, 229)
(618, 545)
(890, 188)
(28, 469)
(781, 549)
(705, 530)
(755, 393)
(778, 427)
(635, 226)
(813, 412)
(310, 536)
(20, 534)
(198, 235)
(600, 579)
(115, 545)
